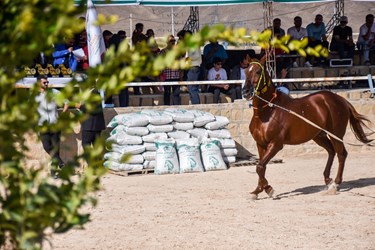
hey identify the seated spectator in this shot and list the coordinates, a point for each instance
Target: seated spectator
(212, 50)
(171, 75)
(238, 73)
(63, 54)
(342, 39)
(217, 73)
(297, 32)
(366, 38)
(277, 32)
(317, 36)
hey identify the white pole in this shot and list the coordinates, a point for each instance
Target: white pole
(172, 16)
(371, 85)
(130, 27)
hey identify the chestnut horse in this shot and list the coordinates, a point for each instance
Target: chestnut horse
(273, 124)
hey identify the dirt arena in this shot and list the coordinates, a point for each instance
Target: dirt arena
(212, 210)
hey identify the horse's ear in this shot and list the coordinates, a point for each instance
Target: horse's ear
(248, 58)
(263, 59)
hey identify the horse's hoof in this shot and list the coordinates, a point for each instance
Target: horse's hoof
(271, 193)
(332, 188)
(253, 196)
(328, 181)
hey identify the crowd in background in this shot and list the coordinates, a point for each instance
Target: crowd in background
(212, 61)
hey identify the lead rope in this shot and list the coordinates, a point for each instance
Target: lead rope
(270, 104)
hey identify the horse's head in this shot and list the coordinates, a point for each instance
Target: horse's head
(256, 77)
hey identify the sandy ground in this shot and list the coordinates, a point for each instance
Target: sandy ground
(213, 210)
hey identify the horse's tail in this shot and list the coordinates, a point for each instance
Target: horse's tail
(357, 124)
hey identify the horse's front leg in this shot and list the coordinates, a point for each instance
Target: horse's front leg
(265, 155)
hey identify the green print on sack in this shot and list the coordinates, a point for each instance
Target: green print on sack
(192, 163)
(168, 165)
(213, 161)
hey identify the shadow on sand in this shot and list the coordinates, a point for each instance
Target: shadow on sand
(346, 186)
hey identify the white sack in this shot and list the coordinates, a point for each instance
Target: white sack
(157, 117)
(180, 115)
(183, 125)
(179, 135)
(115, 166)
(211, 155)
(160, 128)
(220, 122)
(189, 156)
(166, 157)
(152, 137)
(219, 133)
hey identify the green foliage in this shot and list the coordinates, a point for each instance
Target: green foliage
(31, 203)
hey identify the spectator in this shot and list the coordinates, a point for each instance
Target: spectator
(212, 50)
(150, 38)
(122, 35)
(366, 38)
(194, 57)
(238, 73)
(63, 54)
(277, 30)
(106, 36)
(317, 36)
(123, 96)
(138, 37)
(83, 63)
(217, 73)
(171, 75)
(48, 115)
(342, 39)
(42, 59)
(154, 47)
(297, 32)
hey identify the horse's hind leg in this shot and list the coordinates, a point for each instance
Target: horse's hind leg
(323, 141)
(341, 155)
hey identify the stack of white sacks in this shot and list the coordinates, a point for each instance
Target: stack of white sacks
(169, 141)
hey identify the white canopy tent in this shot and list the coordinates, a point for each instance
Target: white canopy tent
(170, 3)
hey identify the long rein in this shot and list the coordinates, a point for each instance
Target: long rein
(270, 104)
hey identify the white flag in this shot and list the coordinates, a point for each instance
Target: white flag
(95, 41)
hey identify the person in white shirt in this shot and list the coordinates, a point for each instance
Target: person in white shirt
(366, 38)
(297, 32)
(194, 57)
(48, 115)
(217, 73)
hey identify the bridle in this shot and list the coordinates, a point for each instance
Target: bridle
(262, 87)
